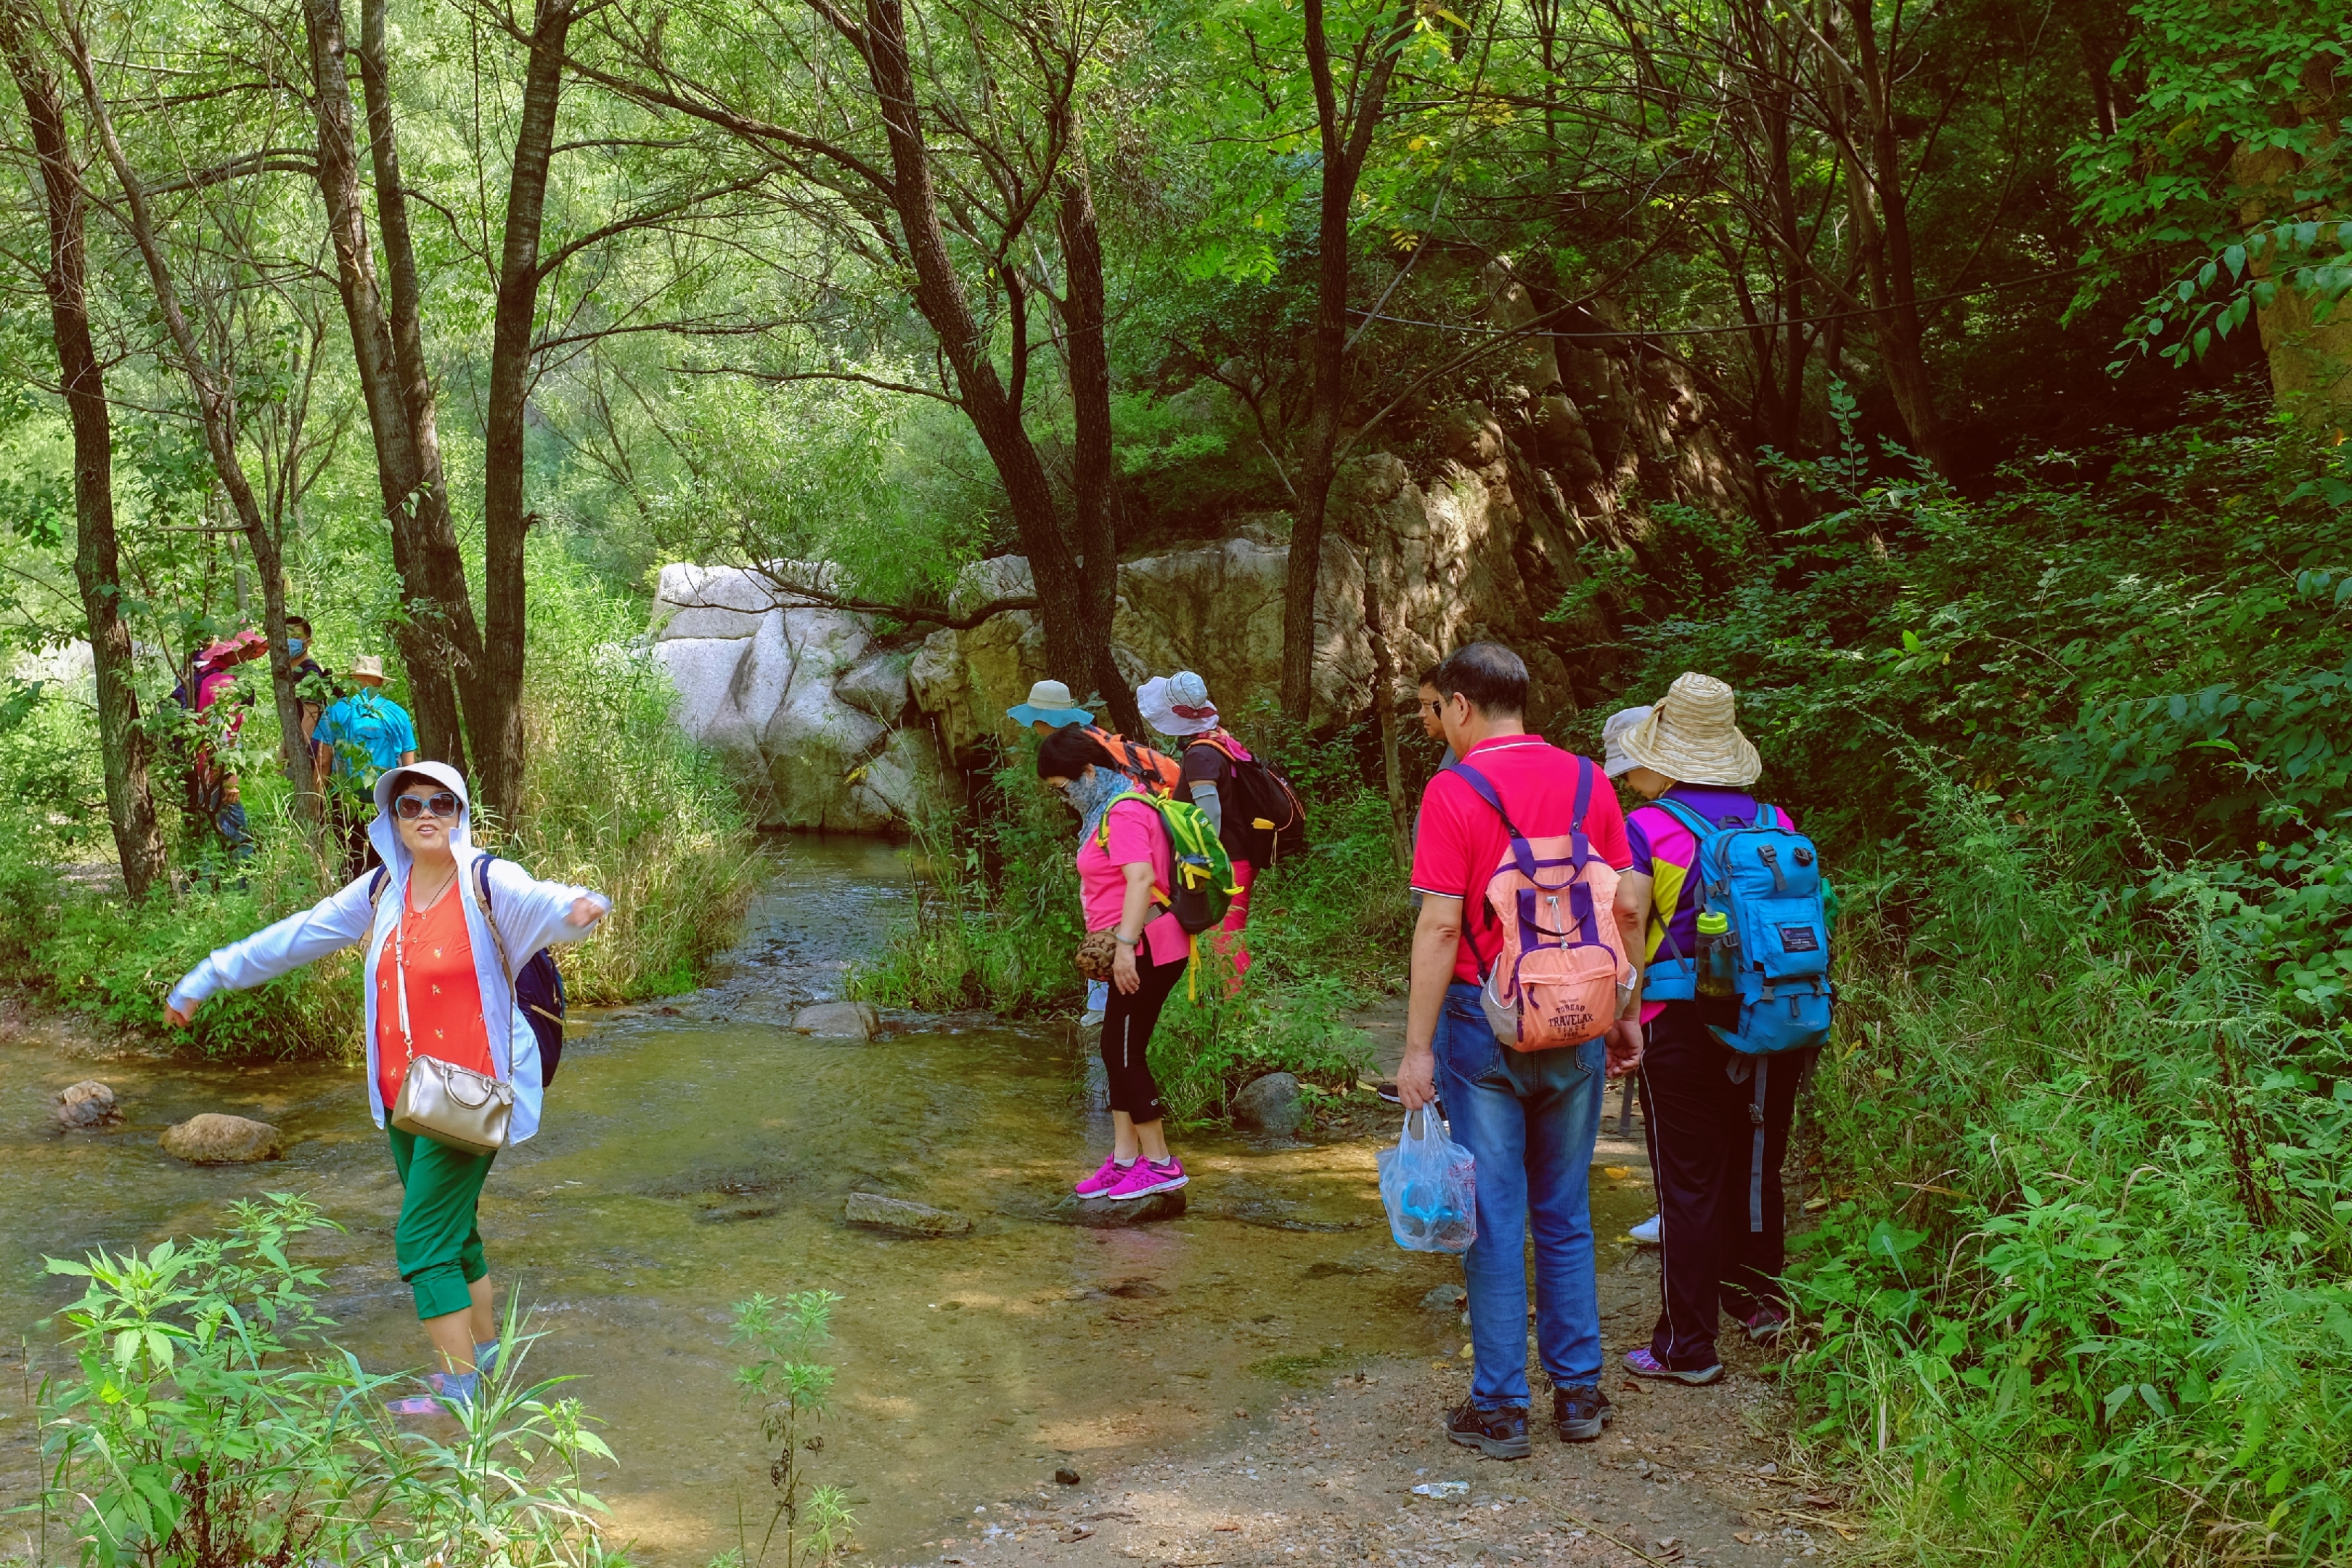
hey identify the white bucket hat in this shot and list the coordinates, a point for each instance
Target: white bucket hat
(1693, 736)
(1177, 704)
(1615, 761)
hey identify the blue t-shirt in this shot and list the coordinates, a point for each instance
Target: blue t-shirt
(372, 724)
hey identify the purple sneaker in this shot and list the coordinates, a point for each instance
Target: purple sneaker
(447, 1393)
(1104, 1180)
(1146, 1177)
(1641, 1363)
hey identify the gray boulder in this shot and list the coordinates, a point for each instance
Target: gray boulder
(87, 1104)
(877, 685)
(1445, 1299)
(899, 1218)
(1274, 1103)
(838, 1021)
(1101, 1213)
(213, 1138)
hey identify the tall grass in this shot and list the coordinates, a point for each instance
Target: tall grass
(2081, 1298)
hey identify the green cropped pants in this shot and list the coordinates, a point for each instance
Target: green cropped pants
(438, 1241)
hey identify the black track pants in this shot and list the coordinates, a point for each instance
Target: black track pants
(1127, 1037)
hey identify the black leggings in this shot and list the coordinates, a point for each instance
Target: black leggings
(1127, 1037)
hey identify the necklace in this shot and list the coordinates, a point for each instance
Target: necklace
(420, 903)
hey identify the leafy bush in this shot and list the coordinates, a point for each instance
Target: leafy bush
(209, 1420)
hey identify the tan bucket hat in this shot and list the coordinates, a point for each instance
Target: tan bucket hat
(368, 667)
(1693, 736)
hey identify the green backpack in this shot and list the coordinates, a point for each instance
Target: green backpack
(1205, 885)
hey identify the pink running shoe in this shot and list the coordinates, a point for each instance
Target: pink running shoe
(1146, 1177)
(1104, 1180)
(1641, 1363)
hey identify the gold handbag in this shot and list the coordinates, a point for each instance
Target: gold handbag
(441, 1101)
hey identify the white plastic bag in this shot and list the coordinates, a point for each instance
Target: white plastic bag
(1428, 1184)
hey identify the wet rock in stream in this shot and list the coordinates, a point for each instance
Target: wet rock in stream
(1102, 1214)
(899, 1218)
(837, 1021)
(1272, 1103)
(213, 1138)
(84, 1105)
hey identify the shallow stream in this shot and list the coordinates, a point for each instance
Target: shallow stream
(697, 1153)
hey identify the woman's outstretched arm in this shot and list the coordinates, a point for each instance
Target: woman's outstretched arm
(332, 924)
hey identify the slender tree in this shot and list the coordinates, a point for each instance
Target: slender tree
(123, 745)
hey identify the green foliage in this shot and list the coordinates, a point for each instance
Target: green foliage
(2081, 1288)
(788, 1386)
(210, 1420)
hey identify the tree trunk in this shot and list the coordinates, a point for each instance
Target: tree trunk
(2310, 360)
(1077, 644)
(1345, 143)
(217, 410)
(399, 473)
(123, 746)
(1883, 232)
(498, 722)
(441, 642)
(1093, 470)
(1376, 631)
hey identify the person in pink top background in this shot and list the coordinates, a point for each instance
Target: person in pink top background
(1126, 863)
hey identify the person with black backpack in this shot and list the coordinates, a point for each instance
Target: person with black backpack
(1255, 811)
(456, 1067)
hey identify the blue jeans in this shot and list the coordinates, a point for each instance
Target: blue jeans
(1529, 1119)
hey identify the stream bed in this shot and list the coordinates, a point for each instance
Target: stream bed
(695, 1153)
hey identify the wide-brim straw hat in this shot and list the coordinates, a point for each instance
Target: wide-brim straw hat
(1177, 704)
(367, 667)
(1693, 736)
(1050, 702)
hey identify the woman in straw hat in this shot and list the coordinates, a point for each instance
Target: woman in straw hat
(1720, 1231)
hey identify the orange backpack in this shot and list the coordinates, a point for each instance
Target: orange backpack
(1156, 773)
(1562, 976)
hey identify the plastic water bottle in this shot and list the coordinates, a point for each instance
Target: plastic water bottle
(1719, 954)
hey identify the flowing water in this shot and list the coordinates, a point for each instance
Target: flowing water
(694, 1154)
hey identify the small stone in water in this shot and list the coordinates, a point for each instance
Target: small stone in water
(1066, 1476)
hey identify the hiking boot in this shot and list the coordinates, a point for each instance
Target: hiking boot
(1146, 1177)
(1104, 1180)
(1497, 1434)
(1579, 1412)
(1641, 1363)
(1765, 1324)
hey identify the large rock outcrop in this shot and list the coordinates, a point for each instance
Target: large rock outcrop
(796, 698)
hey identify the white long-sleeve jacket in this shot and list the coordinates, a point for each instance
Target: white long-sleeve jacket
(531, 914)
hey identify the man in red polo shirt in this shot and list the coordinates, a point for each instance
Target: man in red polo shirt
(1529, 1117)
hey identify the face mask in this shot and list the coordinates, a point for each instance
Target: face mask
(294, 646)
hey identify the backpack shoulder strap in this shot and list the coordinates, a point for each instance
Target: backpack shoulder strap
(1583, 790)
(1700, 828)
(1102, 828)
(1520, 852)
(497, 938)
(376, 879)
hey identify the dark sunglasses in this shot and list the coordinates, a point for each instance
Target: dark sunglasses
(409, 807)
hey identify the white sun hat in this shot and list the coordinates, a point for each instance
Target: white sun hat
(1177, 704)
(1615, 761)
(1693, 736)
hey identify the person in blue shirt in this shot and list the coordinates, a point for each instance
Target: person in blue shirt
(354, 742)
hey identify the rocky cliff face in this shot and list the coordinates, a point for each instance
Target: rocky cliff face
(832, 731)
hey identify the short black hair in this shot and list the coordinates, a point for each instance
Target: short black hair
(1069, 752)
(1490, 677)
(1429, 676)
(293, 621)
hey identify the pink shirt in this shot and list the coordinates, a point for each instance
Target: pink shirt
(1135, 835)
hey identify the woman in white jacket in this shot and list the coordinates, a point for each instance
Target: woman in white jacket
(427, 934)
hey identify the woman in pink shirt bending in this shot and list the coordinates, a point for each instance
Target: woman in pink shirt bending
(1125, 866)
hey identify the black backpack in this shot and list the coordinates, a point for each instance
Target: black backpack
(1261, 805)
(538, 985)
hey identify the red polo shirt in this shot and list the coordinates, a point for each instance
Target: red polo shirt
(1461, 840)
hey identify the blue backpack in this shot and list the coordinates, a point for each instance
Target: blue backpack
(1767, 877)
